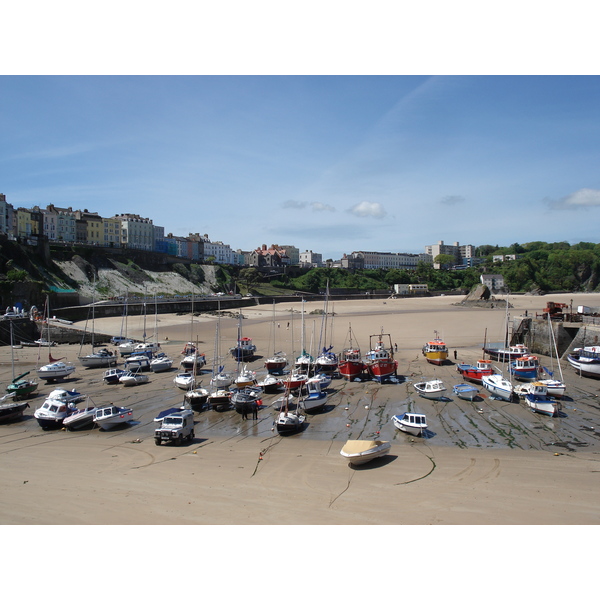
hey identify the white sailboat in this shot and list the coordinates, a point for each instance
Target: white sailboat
(102, 357)
(56, 369)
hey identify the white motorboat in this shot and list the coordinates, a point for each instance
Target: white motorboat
(498, 386)
(465, 391)
(137, 360)
(185, 381)
(271, 384)
(101, 358)
(109, 417)
(413, 423)
(126, 348)
(323, 379)
(433, 389)
(197, 360)
(161, 363)
(315, 397)
(80, 418)
(359, 452)
(222, 380)
(131, 378)
(112, 375)
(55, 370)
(532, 387)
(545, 405)
(57, 405)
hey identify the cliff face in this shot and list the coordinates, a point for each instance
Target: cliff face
(75, 275)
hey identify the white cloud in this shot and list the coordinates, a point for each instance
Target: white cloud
(583, 198)
(294, 204)
(368, 209)
(319, 206)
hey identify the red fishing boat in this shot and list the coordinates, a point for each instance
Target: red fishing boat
(471, 373)
(350, 363)
(379, 360)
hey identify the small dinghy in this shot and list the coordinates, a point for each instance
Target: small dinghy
(133, 378)
(83, 417)
(112, 375)
(359, 452)
(433, 389)
(412, 423)
(109, 417)
(465, 391)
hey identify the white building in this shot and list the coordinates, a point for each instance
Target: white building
(390, 260)
(136, 232)
(462, 254)
(219, 253)
(60, 223)
(308, 258)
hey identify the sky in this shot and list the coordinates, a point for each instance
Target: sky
(332, 164)
(355, 141)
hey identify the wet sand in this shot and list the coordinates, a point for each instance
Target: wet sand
(486, 462)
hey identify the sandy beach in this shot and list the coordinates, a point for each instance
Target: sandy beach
(488, 462)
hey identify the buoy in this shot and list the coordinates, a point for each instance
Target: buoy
(194, 452)
(346, 408)
(347, 424)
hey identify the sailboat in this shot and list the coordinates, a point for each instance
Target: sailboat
(350, 363)
(304, 360)
(554, 387)
(220, 379)
(101, 358)
(11, 409)
(160, 362)
(219, 397)
(505, 352)
(288, 421)
(277, 362)
(327, 361)
(244, 348)
(20, 386)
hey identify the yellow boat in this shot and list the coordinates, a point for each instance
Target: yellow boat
(436, 351)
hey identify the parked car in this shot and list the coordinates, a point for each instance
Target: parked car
(119, 339)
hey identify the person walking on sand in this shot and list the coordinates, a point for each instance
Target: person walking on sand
(455, 355)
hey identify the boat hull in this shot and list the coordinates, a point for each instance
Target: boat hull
(544, 406)
(498, 386)
(356, 456)
(587, 368)
(382, 370)
(414, 426)
(55, 371)
(466, 392)
(350, 369)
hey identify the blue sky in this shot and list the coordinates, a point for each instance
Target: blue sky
(326, 163)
